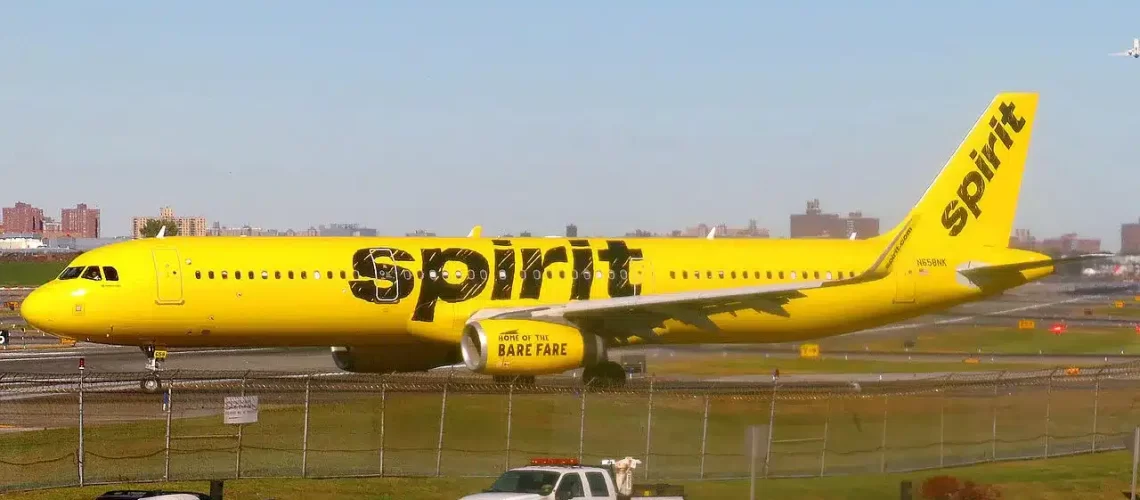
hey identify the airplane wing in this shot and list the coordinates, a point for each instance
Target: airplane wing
(975, 272)
(638, 315)
(1119, 53)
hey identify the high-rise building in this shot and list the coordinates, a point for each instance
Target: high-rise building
(23, 219)
(571, 231)
(187, 226)
(1130, 238)
(813, 223)
(80, 222)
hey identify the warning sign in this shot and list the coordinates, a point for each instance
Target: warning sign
(1026, 324)
(240, 410)
(1118, 304)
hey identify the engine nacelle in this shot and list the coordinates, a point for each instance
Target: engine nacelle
(395, 358)
(527, 347)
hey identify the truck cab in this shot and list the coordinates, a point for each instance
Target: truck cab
(560, 479)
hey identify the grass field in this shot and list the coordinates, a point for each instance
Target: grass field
(29, 273)
(997, 340)
(1100, 476)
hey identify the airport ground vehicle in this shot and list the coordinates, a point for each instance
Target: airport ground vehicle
(567, 479)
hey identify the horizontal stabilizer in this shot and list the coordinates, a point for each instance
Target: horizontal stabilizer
(982, 270)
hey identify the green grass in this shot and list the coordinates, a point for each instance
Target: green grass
(997, 340)
(1086, 477)
(743, 364)
(29, 273)
(124, 433)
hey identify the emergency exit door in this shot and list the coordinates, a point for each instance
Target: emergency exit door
(168, 274)
(904, 285)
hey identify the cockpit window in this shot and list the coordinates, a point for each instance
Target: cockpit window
(92, 273)
(110, 273)
(71, 273)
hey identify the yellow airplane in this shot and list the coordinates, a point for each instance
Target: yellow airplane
(520, 307)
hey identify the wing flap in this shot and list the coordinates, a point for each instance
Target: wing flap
(977, 271)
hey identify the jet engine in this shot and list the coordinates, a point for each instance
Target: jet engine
(527, 347)
(395, 358)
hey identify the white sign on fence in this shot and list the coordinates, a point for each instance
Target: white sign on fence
(241, 409)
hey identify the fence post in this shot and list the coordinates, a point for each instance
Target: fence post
(704, 435)
(649, 429)
(1135, 460)
(169, 413)
(1096, 407)
(442, 415)
(582, 423)
(237, 465)
(942, 427)
(305, 432)
(383, 403)
(883, 445)
(81, 452)
(1048, 404)
(510, 404)
(823, 451)
(771, 425)
(993, 419)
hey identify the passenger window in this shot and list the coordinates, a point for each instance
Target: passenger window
(316, 275)
(443, 274)
(264, 275)
(210, 274)
(597, 484)
(734, 275)
(720, 274)
(329, 275)
(277, 275)
(483, 274)
(92, 273)
(304, 274)
(110, 273)
(840, 274)
(537, 274)
(696, 275)
(419, 275)
(71, 273)
(550, 274)
(852, 274)
(793, 275)
(561, 274)
(433, 274)
(597, 275)
(829, 275)
(407, 274)
(197, 274)
(459, 274)
(817, 275)
(781, 275)
(769, 274)
(237, 275)
(522, 274)
(356, 275)
(673, 275)
(709, 273)
(225, 274)
(290, 274)
(623, 274)
(250, 274)
(343, 275)
(684, 275)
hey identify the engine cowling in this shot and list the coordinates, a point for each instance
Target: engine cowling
(395, 358)
(527, 347)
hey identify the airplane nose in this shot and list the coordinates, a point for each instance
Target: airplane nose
(36, 310)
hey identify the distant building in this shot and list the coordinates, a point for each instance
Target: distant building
(1069, 243)
(1022, 239)
(571, 231)
(1130, 238)
(345, 230)
(813, 223)
(52, 228)
(80, 222)
(420, 233)
(23, 218)
(723, 231)
(187, 226)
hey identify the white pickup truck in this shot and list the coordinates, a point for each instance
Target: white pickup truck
(566, 479)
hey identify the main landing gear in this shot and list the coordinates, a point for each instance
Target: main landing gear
(604, 374)
(151, 384)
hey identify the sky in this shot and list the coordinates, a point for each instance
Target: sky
(531, 115)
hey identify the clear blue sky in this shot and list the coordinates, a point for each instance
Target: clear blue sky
(515, 115)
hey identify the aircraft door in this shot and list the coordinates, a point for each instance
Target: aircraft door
(168, 274)
(905, 278)
(641, 274)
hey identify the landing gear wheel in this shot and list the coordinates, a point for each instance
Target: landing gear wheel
(605, 374)
(151, 384)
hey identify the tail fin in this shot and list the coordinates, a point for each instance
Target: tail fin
(973, 200)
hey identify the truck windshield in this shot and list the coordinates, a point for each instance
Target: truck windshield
(524, 481)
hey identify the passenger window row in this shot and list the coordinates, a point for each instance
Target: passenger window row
(237, 275)
(92, 273)
(392, 274)
(827, 275)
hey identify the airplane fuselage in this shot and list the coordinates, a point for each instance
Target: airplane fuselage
(311, 291)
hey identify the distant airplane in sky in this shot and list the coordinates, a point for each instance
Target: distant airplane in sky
(1134, 52)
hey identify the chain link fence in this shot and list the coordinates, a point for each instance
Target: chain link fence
(68, 430)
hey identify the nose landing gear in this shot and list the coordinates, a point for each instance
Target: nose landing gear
(152, 384)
